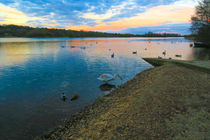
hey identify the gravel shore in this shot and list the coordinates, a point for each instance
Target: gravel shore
(166, 102)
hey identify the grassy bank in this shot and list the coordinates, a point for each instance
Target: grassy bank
(167, 102)
(194, 64)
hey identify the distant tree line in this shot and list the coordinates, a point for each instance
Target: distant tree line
(201, 22)
(151, 34)
(26, 31)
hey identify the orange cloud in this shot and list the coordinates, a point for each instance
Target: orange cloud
(152, 17)
(10, 15)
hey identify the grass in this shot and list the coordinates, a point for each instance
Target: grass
(199, 65)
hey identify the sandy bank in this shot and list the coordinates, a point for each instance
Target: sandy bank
(166, 102)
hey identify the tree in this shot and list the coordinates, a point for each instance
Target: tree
(201, 22)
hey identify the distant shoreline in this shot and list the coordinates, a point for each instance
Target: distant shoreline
(67, 38)
(26, 31)
(102, 37)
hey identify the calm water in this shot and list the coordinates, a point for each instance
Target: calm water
(34, 73)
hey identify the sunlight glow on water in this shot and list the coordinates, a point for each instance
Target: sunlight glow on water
(34, 73)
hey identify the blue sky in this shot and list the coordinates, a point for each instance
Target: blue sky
(124, 16)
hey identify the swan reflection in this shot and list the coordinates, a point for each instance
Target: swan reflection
(107, 87)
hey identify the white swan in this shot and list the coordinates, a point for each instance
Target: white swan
(108, 77)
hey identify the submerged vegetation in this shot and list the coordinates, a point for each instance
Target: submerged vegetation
(26, 31)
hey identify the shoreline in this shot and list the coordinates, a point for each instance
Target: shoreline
(95, 121)
(195, 64)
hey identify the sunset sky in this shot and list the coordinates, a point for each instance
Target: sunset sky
(121, 16)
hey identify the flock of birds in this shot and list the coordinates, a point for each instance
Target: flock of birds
(112, 55)
(164, 54)
(107, 77)
(134, 52)
(81, 47)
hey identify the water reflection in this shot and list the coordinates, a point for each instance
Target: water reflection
(34, 73)
(20, 52)
(145, 48)
(107, 87)
(12, 54)
(201, 54)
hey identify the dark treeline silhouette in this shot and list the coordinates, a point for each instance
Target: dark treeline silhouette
(151, 34)
(26, 31)
(201, 22)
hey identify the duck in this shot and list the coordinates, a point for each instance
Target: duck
(73, 46)
(74, 97)
(63, 97)
(178, 55)
(112, 56)
(164, 52)
(135, 52)
(191, 45)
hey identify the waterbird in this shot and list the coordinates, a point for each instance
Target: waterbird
(108, 77)
(164, 52)
(63, 97)
(178, 55)
(191, 45)
(112, 55)
(135, 52)
(74, 97)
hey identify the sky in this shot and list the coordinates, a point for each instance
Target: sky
(119, 16)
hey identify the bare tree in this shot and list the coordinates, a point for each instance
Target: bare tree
(201, 22)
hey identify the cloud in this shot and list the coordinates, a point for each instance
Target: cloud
(179, 28)
(81, 12)
(111, 12)
(159, 15)
(10, 15)
(95, 15)
(187, 3)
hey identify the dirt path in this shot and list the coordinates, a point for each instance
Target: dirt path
(166, 102)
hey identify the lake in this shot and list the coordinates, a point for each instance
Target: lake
(34, 72)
